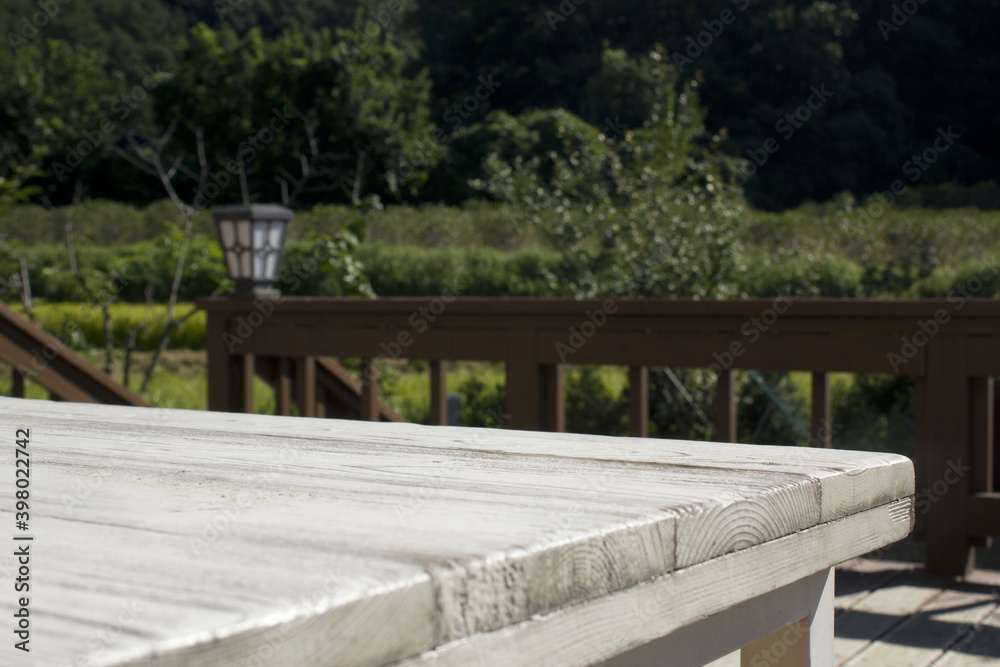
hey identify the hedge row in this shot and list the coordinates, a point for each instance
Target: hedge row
(140, 273)
(81, 325)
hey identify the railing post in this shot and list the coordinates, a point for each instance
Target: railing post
(725, 403)
(17, 383)
(244, 369)
(822, 413)
(321, 402)
(439, 392)
(638, 401)
(219, 363)
(553, 398)
(283, 388)
(982, 425)
(305, 386)
(945, 439)
(369, 390)
(522, 393)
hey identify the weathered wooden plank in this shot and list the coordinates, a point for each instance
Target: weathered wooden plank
(861, 577)
(585, 634)
(923, 636)
(431, 535)
(878, 613)
(978, 644)
(846, 478)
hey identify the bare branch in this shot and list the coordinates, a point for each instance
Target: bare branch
(135, 162)
(199, 137)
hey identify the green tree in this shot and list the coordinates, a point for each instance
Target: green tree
(650, 212)
(306, 117)
(52, 100)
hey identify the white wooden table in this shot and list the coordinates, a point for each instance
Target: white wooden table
(175, 538)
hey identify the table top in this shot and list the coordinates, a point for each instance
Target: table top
(197, 538)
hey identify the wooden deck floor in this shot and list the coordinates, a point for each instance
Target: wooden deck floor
(894, 614)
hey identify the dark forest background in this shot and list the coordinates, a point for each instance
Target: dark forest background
(897, 73)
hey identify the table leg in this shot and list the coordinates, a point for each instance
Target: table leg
(804, 643)
(798, 643)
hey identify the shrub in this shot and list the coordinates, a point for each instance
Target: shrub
(81, 325)
(974, 279)
(826, 276)
(596, 400)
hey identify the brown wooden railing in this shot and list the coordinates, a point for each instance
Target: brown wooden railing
(319, 387)
(35, 355)
(951, 347)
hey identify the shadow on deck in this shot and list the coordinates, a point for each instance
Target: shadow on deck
(895, 614)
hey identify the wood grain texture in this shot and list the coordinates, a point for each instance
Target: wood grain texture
(322, 542)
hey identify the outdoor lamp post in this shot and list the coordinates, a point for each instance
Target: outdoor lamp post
(253, 238)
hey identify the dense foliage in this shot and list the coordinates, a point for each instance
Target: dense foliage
(407, 99)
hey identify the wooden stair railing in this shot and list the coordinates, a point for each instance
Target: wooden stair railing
(334, 393)
(44, 359)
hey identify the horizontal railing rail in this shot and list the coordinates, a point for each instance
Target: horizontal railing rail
(950, 346)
